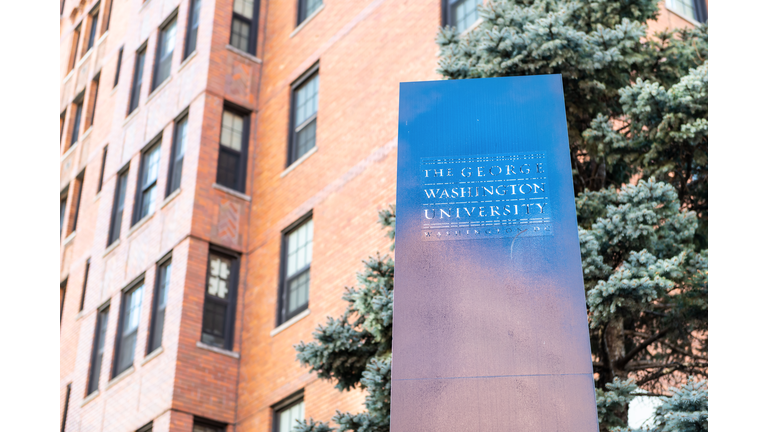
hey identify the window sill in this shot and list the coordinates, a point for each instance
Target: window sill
(120, 377)
(89, 398)
(84, 58)
(289, 323)
(80, 315)
(157, 89)
(298, 162)
(69, 238)
(691, 21)
(144, 5)
(471, 27)
(307, 20)
(101, 38)
(170, 198)
(187, 60)
(97, 197)
(139, 224)
(69, 150)
(232, 192)
(68, 76)
(131, 116)
(111, 247)
(227, 353)
(86, 133)
(152, 355)
(248, 56)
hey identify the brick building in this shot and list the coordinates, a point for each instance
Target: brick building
(214, 156)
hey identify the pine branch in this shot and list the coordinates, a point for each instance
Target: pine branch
(620, 363)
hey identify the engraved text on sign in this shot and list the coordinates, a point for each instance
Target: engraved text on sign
(489, 196)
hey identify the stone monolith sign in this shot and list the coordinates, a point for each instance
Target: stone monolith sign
(490, 321)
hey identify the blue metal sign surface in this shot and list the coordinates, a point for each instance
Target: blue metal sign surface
(490, 332)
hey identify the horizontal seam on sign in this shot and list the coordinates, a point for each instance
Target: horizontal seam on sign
(491, 376)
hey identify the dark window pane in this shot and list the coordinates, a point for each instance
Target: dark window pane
(219, 304)
(177, 159)
(240, 34)
(305, 101)
(94, 26)
(85, 284)
(298, 292)
(166, 43)
(98, 350)
(101, 171)
(305, 139)
(307, 8)
(118, 206)
(66, 408)
(289, 417)
(62, 210)
(297, 257)
(137, 79)
(464, 13)
(119, 63)
(229, 162)
(131, 309)
(160, 301)
(62, 295)
(79, 191)
(194, 23)
(76, 123)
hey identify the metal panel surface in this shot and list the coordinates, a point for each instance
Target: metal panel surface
(490, 320)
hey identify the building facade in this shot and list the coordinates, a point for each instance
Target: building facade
(222, 164)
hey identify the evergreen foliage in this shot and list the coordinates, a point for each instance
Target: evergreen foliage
(637, 116)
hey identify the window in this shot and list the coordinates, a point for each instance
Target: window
(73, 51)
(93, 95)
(244, 20)
(101, 170)
(159, 301)
(190, 45)
(165, 44)
(461, 13)
(204, 425)
(303, 115)
(146, 191)
(694, 10)
(220, 296)
(307, 8)
(79, 180)
(93, 25)
(107, 16)
(288, 413)
(232, 150)
(125, 344)
(76, 120)
(62, 208)
(117, 70)
(66, 408)
(146, 428)
(297, 257)
(85, 284)
(62, 118)
(177, 154)
(117, 207)
(62, 294)
(97, 352)
(138, 73)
